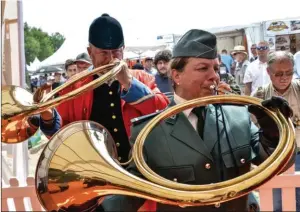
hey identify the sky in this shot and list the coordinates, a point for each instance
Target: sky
(144, 20)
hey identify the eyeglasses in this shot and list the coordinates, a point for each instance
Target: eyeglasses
(281, 74)
(261, 48)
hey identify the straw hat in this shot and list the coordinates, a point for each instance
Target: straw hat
(239, 49)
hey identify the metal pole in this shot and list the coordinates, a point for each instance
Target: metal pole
(20, 151)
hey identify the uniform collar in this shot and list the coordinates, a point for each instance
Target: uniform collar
(178, 100)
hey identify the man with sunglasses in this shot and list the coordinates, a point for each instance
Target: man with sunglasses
(280, 69)
(256, 73)
(254, 53)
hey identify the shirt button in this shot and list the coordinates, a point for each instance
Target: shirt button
(243, 161)
(175, 179)
(118, 144)
(119, 158)
(207, 166)
(110, 93)
(112, 104)
(114, 117)
(115, 130)
(84, 110)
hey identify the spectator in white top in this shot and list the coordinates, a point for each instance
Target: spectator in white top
(297, 64)
(256, 73)
(254, 53)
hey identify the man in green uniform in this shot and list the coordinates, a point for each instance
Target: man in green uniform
(202, 145)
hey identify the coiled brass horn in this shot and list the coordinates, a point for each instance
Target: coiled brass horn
(78, 166)
(17, 103)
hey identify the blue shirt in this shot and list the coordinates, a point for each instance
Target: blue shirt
(163, 83)
(227, 60)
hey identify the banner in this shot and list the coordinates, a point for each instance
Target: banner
(166, 38)
(281, 27)
(271, 41)
(282, 43)
(295, 26)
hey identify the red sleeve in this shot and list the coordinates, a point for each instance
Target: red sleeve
(158, 100)
(63, 108)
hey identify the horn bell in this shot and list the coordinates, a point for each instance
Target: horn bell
(78, 167)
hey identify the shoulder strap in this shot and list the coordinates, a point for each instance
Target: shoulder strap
(141, 119)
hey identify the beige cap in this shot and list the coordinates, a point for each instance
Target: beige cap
(239, 49)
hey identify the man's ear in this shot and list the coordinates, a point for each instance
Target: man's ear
(175, 75)
(89, 50)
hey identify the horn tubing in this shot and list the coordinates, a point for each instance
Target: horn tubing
(14, 119)
(87, 87)
(283, 152)
(48, 103)
(119, 181)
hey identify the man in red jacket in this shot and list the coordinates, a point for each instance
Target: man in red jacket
(113, 104)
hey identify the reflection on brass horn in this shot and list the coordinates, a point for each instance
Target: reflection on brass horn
(78, 167)
(17, 103)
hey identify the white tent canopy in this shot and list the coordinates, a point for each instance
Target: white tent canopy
(149, 53)
(144, 47)
(75, 45)
(34, 65)
(72, 47)
(130, 55)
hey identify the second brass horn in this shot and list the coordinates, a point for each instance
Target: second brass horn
(17, 103)
(76, 167)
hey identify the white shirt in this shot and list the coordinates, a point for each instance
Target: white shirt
(257, 74)
(297, 63)
(193, 119)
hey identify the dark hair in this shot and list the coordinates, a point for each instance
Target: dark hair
(164, 55)
(148, 59)
(178, 64)
(138, 66)
(68, 63)
(224, 51)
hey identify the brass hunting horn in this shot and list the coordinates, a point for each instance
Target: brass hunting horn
(78, 167)
(17, 103)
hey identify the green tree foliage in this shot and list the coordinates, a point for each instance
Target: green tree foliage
(40, 44)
